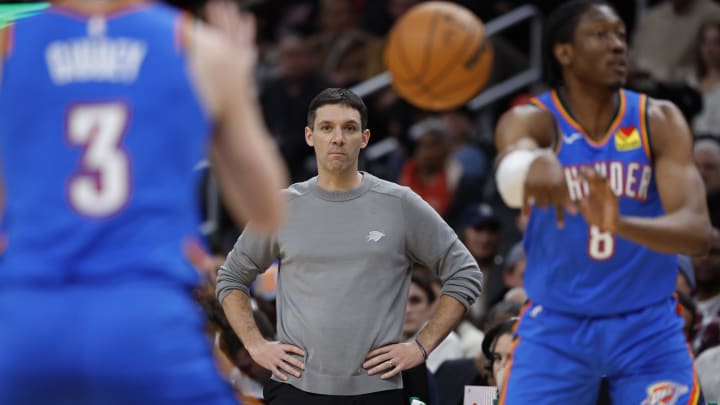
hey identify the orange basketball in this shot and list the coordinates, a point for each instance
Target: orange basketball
(438, 56)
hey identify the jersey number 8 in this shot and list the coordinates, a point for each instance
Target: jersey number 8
(601, 245)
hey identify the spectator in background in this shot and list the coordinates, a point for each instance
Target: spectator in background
(707, 79)
(480, 232)
(501, 312)
(284, 99)
(706, 153)
(686, 276)
(708, 369)
(337, 20)
(665, 38)
(470, 156)
(346, 60)
(512, 272)
(707, 275)
(497, 348)
(437, 177)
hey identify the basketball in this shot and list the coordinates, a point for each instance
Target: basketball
(438, 55)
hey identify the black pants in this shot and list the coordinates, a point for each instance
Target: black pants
(277, 393)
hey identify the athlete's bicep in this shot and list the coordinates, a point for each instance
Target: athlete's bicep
(678, 180)
(525, 126)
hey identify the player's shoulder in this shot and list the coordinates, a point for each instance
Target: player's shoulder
(535, 119)
(535, 110)
(666, 125)
(661, 109)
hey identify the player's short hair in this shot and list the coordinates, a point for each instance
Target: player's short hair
(340, 96)
(559, 29)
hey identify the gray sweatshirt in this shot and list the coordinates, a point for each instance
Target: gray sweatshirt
(345, 266)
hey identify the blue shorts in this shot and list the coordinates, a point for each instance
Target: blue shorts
(560, 358)
(131, 343)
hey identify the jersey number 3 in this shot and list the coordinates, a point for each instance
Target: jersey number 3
(101, 186)
(601, 245)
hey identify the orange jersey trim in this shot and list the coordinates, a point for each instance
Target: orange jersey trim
(644, 126)
(537, 103)
(695, 392)
(7, 41)
(183, 30)
(77, 10)
(611, 129)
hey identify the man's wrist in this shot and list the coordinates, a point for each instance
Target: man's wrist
(422, 348)
(254, 346)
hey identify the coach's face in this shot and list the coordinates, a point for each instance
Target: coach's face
(598, 51)
(337, 138)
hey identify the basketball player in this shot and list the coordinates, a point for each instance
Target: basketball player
(106, 108)
(601, 283)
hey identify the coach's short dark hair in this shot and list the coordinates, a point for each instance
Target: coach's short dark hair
(337, 96)
(559, 29)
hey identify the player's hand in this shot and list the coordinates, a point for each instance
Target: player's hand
(545, 186)
(275, 356)
(393, 359)
(239, 26)
(601, 206)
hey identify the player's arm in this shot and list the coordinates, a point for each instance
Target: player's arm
(685, 227)
(527, 170)
(252, 254)
(244, 158)
(524, 127)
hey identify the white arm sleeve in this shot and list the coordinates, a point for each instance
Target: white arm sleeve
(511, 173)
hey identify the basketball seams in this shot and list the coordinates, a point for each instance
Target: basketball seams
(428, 43)
(452, 61)
(454, 86)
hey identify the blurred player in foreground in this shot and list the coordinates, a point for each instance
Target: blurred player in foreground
(106, 108)
(600, 283)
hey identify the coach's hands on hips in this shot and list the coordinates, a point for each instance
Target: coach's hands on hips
(392, 359)
(275, 357)
(545, 186)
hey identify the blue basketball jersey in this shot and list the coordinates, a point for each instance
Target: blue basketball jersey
(579, 269)
(100, 130)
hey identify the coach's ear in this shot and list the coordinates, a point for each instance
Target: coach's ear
(563, 53)
(309, 136)
(365, 138)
